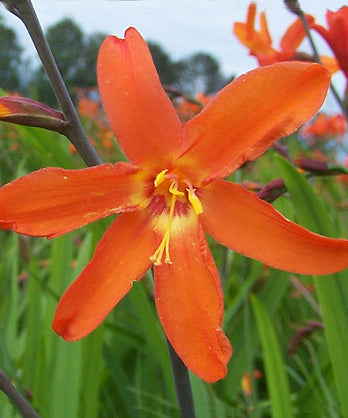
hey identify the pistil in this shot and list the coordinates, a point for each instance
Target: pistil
(156, 258)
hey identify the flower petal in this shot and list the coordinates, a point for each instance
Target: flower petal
(249, 115)
(336, 35)
(53, 201)
(330, 63)
(259, 42)
(190, 303)
(294, 36)
(140, 113)
(264, 28)
(121, 257)
(240, 220)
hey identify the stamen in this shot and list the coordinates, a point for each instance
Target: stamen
(160, 177)
(157, 256)
(193, 199)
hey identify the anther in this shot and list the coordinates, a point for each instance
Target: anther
(173, 189)
(160, 178)
(157, 256)
(193, 199)
(195, 202)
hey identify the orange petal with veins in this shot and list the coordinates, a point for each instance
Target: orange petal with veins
(294, 36)
(52, 201)
(246, 117)
(141, 115)
(121, 257)
(240, 220)
(190, 304)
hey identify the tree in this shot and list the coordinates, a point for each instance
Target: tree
(76, 57)
(199, 72)
(10, 58)
(88, 75)
(66, 40)
(166, 68)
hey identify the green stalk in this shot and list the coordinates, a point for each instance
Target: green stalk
(332, 290)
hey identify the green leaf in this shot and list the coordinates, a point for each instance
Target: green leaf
(277, 382)
(332, 290)
(310, 211)
(244, 338)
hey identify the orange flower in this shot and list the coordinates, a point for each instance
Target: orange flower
(260, 42)
(88, 107)
(336, 35)
(326, 126)
(188, 109)
(170, 193)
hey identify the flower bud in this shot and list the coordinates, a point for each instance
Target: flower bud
(23, 111)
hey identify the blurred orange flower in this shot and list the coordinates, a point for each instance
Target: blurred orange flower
(260, 42)
(187, 109)
(325, 126)
(87, 107)
(336, 35)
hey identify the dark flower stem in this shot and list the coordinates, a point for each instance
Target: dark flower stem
(182, 384)
(12, 393)
(74, 131)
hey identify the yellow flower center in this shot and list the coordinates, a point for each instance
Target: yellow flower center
(157, 256)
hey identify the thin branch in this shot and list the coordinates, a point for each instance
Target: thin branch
(12, 393)
(74, 131)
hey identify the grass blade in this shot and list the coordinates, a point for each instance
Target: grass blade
(332, 290)
(277, 382)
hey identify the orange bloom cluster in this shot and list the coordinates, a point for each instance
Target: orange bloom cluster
(170, 194)
(91, 112)
(88, 107)
(260, 42)
(326, 126)
(187, 109)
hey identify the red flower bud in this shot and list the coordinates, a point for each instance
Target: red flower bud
(23, 111)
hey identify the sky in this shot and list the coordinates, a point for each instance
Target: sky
(182, 27)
